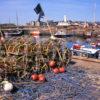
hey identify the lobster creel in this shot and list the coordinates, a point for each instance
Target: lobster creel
(22, 56)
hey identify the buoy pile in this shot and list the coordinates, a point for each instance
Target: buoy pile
(38, 77)
(56, 69)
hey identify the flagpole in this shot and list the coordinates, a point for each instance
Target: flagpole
(38, 10)
(48, 25)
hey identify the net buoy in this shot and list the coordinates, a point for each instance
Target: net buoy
(2, 39)
(7, 86)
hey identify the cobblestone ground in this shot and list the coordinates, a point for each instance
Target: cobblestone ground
(81, 81)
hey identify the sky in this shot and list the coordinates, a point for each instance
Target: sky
(75, 10)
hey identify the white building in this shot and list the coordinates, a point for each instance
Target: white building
(64, 22)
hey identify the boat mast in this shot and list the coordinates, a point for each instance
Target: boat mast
(17, 22)
(9, 20)
(94, 13)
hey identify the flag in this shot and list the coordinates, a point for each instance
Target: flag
(39, 11)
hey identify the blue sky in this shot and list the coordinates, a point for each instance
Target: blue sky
(54, 10)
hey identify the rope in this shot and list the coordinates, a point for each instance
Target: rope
(24, 83)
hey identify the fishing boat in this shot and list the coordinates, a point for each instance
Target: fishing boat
(86, 50)
(62, 34)
(35, 33)
(17, 33)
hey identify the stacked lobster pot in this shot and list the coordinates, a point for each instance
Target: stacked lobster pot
(21, 57)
